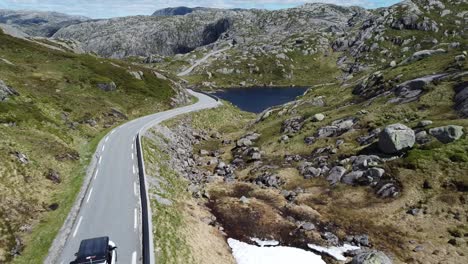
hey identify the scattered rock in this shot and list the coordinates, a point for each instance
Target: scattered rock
(419, 55)
(447, 134)
(335, 175)
(54, 176)
(351, 177)
(318, 117)
(307, 226)
(6, 91)
(292, 125)
(204, 152)
(422, 137)
(22, 157)
(107, 87)
(396, 138)
(309, 140)
(424, 123)
(359, 240)
(330, 237)
(137, 74)
(387, 190)
(371, 257)
(244, 200)
(309, 171)
(337, 128)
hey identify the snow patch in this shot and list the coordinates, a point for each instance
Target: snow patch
(335, 252)
(264, 243)
(250, 254)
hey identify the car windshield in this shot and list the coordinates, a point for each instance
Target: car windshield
(93, 250)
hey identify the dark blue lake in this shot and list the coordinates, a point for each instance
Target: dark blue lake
(257, 99)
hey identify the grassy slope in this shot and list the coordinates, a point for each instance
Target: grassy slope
(57, 92)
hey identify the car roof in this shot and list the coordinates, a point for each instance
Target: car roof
(95, 249)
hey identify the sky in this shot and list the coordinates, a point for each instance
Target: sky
(116, 8)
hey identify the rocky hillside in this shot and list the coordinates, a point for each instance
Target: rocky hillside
(38, 24)
(145, 36)
(374, 155)
(54, 108)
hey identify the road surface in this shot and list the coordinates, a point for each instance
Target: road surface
(111, 206)
(200, 61)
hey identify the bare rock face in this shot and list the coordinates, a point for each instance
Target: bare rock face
(395, 138)
(181, 30)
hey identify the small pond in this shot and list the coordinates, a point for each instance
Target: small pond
(257, 99)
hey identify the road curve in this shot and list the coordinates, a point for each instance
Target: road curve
(111, 206)
(200, 61)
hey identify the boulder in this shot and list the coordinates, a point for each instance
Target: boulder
(54, 176)
(318, 117)
(335, 174)
(447, 134)
(309, 171)
(395, 138)
(371, 257)
(337, 128)
(6, 91)
(107, 87)
(352, 177)
(424, 123)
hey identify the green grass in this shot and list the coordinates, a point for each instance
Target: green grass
(168, 221)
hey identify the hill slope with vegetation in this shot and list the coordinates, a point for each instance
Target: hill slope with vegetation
(54, 108)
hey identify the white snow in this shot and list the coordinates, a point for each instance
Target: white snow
(335, 252)
(264, 243)
(251, 254)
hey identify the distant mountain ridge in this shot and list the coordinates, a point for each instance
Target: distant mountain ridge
(179, 11)
(36, 23)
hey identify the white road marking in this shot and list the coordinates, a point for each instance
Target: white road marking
(133, 169)
(135, 188)
(135, 219)
(77, 226)
(132, 156)
(89, 195)
(132, 146)
(134, 257)
(107, 138)
(100, 159)
(103, 147)
(95, 174)
(113, 131)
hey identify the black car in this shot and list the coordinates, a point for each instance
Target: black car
(99, 250)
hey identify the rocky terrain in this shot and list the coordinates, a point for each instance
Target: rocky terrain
(373, 154)
(169, 35)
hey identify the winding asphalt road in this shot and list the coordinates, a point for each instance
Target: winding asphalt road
(111, 206)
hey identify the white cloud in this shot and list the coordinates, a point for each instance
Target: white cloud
(112, 8)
